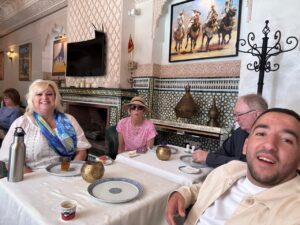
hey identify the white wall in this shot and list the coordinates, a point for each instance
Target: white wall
(39, 34)
(143, 33)
(281, 88)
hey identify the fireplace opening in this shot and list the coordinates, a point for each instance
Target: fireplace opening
(94, 119)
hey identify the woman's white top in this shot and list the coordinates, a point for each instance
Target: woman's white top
(38, 153)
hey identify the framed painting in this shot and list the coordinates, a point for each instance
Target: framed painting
(203, 29)
(1, 65)
(25, 67)
(59, 56)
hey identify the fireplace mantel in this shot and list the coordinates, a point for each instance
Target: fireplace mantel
(112, 98)
(116, 92)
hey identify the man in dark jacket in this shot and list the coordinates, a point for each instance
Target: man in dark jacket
(246, 110)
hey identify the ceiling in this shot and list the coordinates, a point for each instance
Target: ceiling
(15, 14)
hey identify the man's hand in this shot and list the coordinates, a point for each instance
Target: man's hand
(27, 169)
(199, 156)
(174, 207)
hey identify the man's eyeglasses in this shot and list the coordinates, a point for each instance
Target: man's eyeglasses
(241, 114)
(136, 107)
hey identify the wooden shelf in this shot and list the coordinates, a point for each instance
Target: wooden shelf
(189, 128)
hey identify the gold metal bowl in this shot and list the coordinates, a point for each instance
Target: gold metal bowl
(163, 152)
(92, 171)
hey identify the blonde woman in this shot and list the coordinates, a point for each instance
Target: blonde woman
(49, 133)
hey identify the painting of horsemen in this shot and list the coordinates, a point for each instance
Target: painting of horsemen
(202, 29)
(59, 56)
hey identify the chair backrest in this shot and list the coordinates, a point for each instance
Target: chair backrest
(111, 141)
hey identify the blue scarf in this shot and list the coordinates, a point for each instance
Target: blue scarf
(64, 142)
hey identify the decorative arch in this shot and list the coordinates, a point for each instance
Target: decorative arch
(157, 11)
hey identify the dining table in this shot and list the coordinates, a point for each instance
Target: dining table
(170, 169)
(36, 199)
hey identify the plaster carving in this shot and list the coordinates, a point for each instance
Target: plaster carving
(207, 69)
(81, 15)
(16, 13)
(157, 10)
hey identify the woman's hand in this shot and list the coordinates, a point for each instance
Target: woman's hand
(175, 206)
(80, 155)
(27, 169)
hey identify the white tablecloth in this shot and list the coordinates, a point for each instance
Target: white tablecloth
(35, 200)
(166, 169)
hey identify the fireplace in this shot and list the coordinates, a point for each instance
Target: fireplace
(96, 109)
(94, 119)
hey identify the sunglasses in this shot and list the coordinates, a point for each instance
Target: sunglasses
(136, 107)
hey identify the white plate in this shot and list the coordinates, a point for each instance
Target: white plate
(133, 153)
(115, 189)
(187, 159)
(108, 160)
(74, 170)
(189, 169)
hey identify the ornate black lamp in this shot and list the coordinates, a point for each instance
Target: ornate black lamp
(264, 53)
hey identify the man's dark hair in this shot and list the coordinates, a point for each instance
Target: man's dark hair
(281, 110)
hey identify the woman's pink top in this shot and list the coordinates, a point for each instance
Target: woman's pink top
(135, 138)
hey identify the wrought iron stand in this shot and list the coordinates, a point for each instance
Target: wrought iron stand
(264, 53)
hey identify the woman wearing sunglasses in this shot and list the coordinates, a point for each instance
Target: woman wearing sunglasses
(135, 132)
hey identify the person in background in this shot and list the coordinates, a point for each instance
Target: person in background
(265, 190)
(49, 133)
(135, 132)
(246, 110)
(10, 110)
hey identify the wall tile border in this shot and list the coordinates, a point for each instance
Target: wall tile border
(206, 69)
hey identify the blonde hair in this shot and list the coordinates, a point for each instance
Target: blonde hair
(39, 86)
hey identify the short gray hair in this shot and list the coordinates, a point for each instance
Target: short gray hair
(255, 101)
(38, 86)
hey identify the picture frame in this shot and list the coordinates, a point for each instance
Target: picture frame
(1, 65)
(202, 30)
(59, 56)
(25, 62)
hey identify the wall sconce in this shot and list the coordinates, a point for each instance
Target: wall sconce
(10, 54)
(132, 66)
(134, 12)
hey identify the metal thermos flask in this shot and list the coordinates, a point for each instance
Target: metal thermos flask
(17, 156)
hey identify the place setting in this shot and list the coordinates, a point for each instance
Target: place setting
(65, 169)
(188, 160)
(106, 160)
(109, 189)
(190, 167)
(115, 190)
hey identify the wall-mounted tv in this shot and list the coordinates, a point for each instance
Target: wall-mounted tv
(86, 58)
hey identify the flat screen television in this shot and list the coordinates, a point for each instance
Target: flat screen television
(86, 58)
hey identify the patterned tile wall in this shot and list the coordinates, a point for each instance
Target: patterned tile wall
(164, 93)
(81, 15)
(228, 68)
(167, 92)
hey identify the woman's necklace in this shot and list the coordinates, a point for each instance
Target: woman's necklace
(136, 129)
